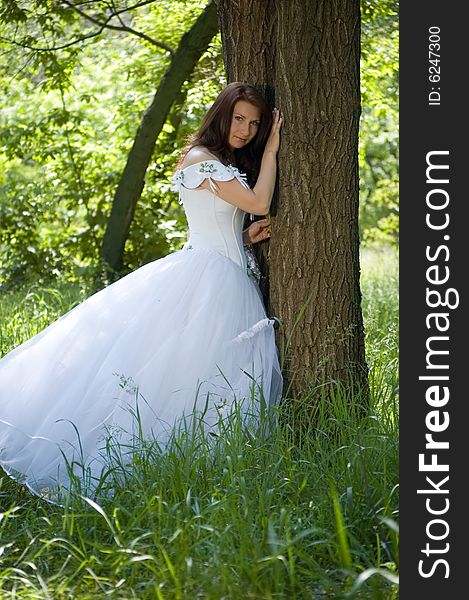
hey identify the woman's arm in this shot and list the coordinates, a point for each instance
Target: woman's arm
(256, 200)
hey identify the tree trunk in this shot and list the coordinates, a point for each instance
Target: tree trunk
(305, 55)
(191, 47)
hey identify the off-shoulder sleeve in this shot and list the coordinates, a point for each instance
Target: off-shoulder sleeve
(213, 170)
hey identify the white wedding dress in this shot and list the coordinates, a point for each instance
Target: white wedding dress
(188, 331)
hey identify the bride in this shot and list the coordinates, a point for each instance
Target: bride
(181, 334)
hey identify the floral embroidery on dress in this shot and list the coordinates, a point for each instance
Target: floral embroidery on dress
(197, 172)
(179, 177)
(206, 167)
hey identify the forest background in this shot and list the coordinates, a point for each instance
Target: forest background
(68, 119)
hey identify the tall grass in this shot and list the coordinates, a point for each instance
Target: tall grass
(242, 513)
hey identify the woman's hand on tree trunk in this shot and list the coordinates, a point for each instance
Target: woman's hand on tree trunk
(258, 231)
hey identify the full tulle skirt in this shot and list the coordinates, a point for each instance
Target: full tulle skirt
(184, 333)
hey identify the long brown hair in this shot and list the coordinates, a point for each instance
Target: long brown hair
(214, 130)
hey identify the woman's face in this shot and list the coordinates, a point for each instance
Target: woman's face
(244, 124)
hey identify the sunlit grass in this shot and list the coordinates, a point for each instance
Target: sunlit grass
(380, 304)
(27, 311)
(245, 514)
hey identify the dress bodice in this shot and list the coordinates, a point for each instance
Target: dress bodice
(213, 223)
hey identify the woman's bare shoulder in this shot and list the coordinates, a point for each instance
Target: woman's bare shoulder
(197, 154)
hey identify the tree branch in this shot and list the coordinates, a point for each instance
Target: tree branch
(101, 25)
(129, 8)
(116, 12)
(52, 48)
(122, 27)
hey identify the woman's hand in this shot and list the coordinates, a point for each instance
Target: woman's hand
(257, 232)
(273, 141)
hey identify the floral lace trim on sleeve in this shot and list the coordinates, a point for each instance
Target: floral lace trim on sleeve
(213, 170)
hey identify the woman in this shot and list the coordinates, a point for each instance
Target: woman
(182, 334)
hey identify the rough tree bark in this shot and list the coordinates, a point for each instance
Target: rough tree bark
(191, 47)
(304, 54)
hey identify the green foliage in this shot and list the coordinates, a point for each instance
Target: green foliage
(69, 117)
(378, 151)
(240, 515)
(65, 135)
